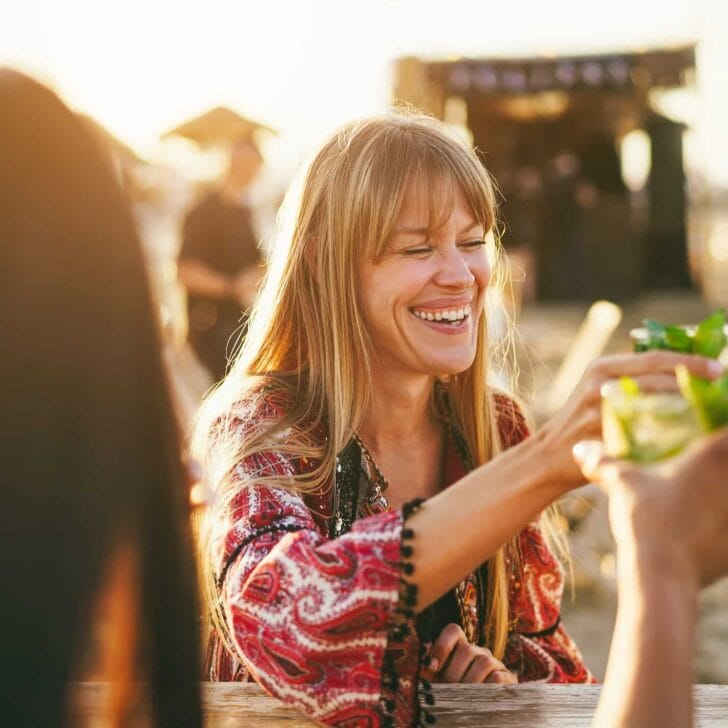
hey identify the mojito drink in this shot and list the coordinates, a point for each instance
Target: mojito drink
(645, 426)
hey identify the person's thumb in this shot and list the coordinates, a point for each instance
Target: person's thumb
(590, 457)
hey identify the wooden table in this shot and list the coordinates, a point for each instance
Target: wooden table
(245, 705)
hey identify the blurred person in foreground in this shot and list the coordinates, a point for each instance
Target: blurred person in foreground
(376, 514)
(95, 566)
(219, 262)
(670, 525)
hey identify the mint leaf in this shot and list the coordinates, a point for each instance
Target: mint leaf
(709, 338)
(655, 335)
(677, 339)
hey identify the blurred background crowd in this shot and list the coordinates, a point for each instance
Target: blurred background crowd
(604, 127)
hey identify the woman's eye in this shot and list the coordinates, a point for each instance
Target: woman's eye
(416, 250)
(473, 244)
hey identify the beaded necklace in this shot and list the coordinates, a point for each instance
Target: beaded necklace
(375, 501)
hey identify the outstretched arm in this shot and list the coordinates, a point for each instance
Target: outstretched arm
(495, 501)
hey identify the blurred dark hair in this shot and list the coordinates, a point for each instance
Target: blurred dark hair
(89, 448)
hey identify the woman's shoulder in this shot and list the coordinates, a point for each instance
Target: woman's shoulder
(261, 404)
(510, 419)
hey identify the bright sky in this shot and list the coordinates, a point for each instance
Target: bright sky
(304, 66)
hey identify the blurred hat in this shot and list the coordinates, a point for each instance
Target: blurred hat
(220, 125)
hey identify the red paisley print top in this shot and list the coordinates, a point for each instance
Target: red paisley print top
(312, 617)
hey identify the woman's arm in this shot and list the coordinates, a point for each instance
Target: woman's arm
(461, 527)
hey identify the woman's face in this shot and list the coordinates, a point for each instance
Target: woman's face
(423, 299)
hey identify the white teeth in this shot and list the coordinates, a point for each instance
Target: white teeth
(453, 314)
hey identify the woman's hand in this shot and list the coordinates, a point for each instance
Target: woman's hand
(454, 660)
(580, 418)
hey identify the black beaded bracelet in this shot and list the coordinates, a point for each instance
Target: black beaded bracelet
(399, 631)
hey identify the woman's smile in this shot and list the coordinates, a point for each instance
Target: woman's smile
(452, 320)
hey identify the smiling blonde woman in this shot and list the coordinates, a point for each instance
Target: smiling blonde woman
(375, 519)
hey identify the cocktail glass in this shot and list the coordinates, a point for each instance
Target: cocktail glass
(645, 426)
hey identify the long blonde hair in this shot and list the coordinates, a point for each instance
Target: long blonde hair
(308, 341)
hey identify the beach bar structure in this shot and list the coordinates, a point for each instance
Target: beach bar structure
(549, 129)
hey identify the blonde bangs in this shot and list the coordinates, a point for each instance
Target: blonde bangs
(424, 156)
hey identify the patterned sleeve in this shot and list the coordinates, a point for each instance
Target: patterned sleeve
(309, 616)
(540, 649)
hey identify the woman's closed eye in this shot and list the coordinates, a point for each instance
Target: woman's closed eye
(423, 248)
(415, 250)
(473, 244)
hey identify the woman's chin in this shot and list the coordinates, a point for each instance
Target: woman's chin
(449, 367)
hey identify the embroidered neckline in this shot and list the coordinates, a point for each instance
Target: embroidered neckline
(374, 498)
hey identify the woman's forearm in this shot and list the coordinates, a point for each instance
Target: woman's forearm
(649, 675)
(461, 527)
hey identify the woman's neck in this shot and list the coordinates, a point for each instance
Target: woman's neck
(403, 436)
(400, 411)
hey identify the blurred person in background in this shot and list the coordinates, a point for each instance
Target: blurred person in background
(95, 557)
(219, 262)
(377, 501)
(670, 526)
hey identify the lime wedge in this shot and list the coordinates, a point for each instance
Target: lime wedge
(629, 386)
(696, 391)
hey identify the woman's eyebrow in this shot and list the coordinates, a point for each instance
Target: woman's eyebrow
(412, 230)
(472, 226)
(424, 230)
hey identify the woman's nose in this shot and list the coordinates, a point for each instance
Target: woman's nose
(454, 270)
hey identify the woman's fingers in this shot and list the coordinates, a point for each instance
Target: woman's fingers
(501, 677)
(656, 382)
(472, 664)
(485, 668)
(462, 659)
(481, 667)
(652, 373)
(458, 663)
(656, 362)
(453, 659)
(444, 645)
